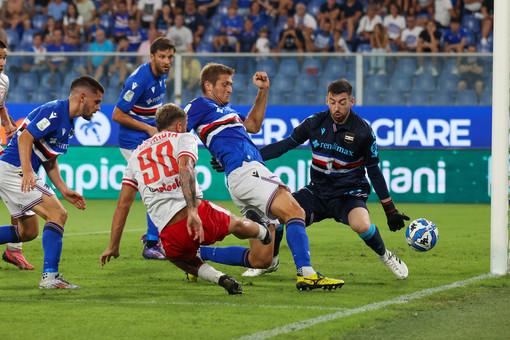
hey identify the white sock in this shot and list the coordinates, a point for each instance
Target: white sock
(306, 271)
(14, 246)
(262, 232)
(208, 273)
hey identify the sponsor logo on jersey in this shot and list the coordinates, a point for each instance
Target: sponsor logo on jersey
(167, 187)
(63, 131)
(134, 86)
(128, 95)
(349, 137)
(153, 88)
(53, 115)
(323, 130)
(43, 124)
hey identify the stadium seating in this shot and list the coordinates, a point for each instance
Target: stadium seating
(281, 86)
(289, 67)
(406, 66)
(448, 83)
(27, 81)
(216, 22)
(305, 84)
(311, 66)
(336, 67)
(42, 95)
(424, 82)
(51, 80)
(267, 65)
(442, 98)
(12, 39)
(314, 6)
(108, 22)
(418, 98)
(393, 98)
(376, 82)
(466, 98)
(204, 48)
(371, 98)
(27, 39)
(17, 94)
(485, 99)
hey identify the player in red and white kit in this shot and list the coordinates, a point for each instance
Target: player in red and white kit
(162, 169)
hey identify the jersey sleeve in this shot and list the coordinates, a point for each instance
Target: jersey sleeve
(300, 134)
(187, 146)
(195, 110)
(132, 90)
(371, 151)
(129, 177)
(43, 122)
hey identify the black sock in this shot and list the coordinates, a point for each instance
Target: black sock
(151, 243)
(278, 236)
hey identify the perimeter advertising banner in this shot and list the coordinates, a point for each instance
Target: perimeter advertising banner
(454, 176)
(395, 127)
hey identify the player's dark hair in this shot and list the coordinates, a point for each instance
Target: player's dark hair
(88, 82)
(167, 115)
(340, 86)
(3, 44)
(212, 71)
(162, 44)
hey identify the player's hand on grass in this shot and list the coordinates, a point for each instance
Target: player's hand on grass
(216, 165)
(261, 80)
(395, 218)
(194, 223)
(107, 255)
(75, 198)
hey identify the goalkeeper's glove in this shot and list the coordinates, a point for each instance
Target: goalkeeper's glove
(216, 165)
(395, 217)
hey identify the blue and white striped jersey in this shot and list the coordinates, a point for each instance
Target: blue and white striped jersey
(222, 131)
(142, 95)
(51, 127)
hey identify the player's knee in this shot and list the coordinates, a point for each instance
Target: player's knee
(28, 234)
(58, 216)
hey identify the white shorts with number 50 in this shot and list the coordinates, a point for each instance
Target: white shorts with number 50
(253, 186)
(19, 203)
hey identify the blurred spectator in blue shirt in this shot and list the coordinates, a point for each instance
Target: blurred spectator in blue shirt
(96, 25)
(164, 19)
(36, 63)
(232, 26)
(97, 65)
(247, 37)
(135, 34)
(57, 9)
(322, 39)
(59, 63)
(207, 8)
(454, 39)
(121, 25)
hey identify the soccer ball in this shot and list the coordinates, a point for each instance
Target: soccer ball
(421, 234)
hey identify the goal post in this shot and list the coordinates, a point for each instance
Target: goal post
(500, 134)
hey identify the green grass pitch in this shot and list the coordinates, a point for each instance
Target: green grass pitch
(132, 298)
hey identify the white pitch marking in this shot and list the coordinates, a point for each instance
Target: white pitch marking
(296, 326)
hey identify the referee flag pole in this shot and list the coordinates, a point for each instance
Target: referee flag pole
(500, 134)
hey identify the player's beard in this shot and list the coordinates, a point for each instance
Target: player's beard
(160, 70)
(220, 101)
(86, 114)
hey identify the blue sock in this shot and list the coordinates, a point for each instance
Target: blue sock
(373, 239)
(9, 234)
(233, 256)
(297, 240)
(152, 230)
(52, 245)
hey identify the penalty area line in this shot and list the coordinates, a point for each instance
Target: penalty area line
(299, 325)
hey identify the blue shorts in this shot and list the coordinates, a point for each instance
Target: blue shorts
(318, 208)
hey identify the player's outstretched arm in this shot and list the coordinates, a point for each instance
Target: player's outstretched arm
(126, 198)
(123, 118)
(256, 115)
(53, 172)
(188, 185)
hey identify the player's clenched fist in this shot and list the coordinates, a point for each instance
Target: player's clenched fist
(261, 80)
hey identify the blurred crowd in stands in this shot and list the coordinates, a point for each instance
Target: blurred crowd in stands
(253, 25)
(259, 26)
